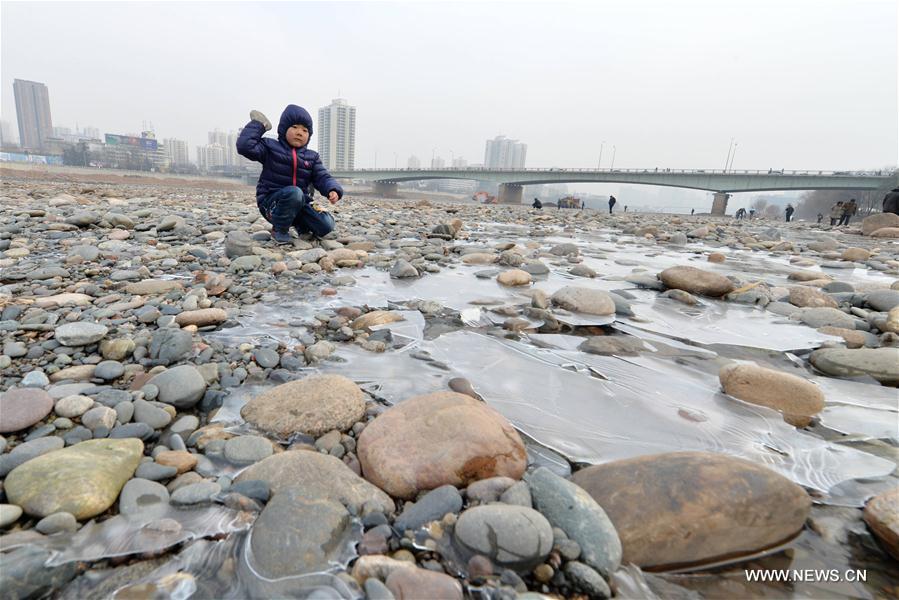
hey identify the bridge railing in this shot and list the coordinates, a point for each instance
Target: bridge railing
(879, 173)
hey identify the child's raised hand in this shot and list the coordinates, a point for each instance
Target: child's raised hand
(333, 197)
(255, 115)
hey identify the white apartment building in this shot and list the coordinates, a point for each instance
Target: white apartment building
(503, 153)
(176, 151)
(336, 134)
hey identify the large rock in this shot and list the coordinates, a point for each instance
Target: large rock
(169, 345)
(694, 507)
(883, 300)
(697, 281)
(438, 439)
(826, 317)
(415, 583)
(514, 537)
(21, 408)
(84, 479)
(880, 363)
(322, 475)
(299, 532)
(377, 317)
(238, 243)
(584, 300)
(886, 232)
(182, 386)
(570, 508)
(797, 398)
(80, 333)
(882, 516)
(804, 296)
(879, 221)
(314, 406)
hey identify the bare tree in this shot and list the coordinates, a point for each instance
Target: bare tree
(759, 205)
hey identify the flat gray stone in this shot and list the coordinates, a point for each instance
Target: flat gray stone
(141, 495)
(81, 333)
(432, 506)
(513, 537)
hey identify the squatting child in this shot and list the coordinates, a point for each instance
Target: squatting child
(289, 171)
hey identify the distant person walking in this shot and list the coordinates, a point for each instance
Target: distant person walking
(625, 208)
(751, 213)
(820, 218)
(891, 202)
(789, 212)
(537, 204)
(692, 210)
(849, 209)
(836, 213)
(612, 202)
(740, 214)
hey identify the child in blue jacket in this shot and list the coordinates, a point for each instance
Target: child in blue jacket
(289, 171)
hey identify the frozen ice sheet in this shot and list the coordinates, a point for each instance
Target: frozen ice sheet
(643, 406)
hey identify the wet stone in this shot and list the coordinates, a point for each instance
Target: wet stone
(247, 449)
(512, 536)
(431, 507)
(195, 493)
(57, 523)
(21, 408)
(80, 334)
(139, 495)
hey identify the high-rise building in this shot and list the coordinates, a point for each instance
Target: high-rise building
(503, 153)
(32, 113)
(437, 162)
(211, 156)
(459, 163)
(176, 151)
(5, 134)
(413, 163)
(337, 135)
(91, 133)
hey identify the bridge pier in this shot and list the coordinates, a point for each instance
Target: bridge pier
(509, 193)
(386, 189)
(719, 204)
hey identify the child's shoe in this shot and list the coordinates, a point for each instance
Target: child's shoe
(282, 237)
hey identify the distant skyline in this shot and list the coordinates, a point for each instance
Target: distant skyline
(797, 84)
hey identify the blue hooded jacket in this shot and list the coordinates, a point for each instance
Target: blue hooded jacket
(283, 165)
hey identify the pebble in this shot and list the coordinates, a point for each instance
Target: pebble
(247, 449)
(195, 493)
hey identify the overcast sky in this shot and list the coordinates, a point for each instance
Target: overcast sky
(798, 85)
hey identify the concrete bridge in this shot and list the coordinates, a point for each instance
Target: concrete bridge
(722, 182)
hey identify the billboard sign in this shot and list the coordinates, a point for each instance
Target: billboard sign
(130, 140)
(30, 158)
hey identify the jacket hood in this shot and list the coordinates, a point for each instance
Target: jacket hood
(292, 115)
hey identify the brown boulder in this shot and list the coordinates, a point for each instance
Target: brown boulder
(413, 584)
(377, 317)
(795, 397)
(514, 277)
(882, 516)
(438, 439)
(320, 476)
(697, 281)
(694, 507)
(803, 296)
(314, 406)
(879, 221)
(886, 232)
(855, 254)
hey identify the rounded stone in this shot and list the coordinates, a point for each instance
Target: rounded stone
(80, 334)
(139, 495)
(880, 363)
(194, 493)
(266, 357)
(804, 296)
(247, 449)
(438, 439)
(100, 416)
(514, 277)
(57, 523)
(35, 379)
(313, 406)
(109, 370)
(21, 408)
(422, 583)
(201, 317)
(73, 406)
(797, 398)
(584, 300)
(697, 281)
(882, 516)
(694, 507)
(182, 386)
(9, 514)
(879, 221)
(321, 475)
(84, 479)
(514, 537)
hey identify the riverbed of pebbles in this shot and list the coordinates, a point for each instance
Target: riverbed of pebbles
(126, 468)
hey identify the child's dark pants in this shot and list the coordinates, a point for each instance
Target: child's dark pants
(289, 206)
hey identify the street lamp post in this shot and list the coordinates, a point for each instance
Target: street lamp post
(612, 167)
(376, 159)
(599, 163)
(396, 158)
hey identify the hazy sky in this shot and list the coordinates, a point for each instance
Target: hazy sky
(799, 85)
